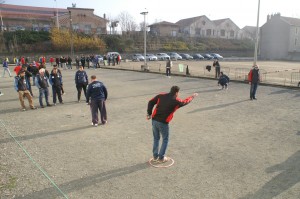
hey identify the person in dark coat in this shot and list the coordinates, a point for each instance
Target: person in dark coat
(81, 82)
(56, 82)
(223, 80)
(97, 93)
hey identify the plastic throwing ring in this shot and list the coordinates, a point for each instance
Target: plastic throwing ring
(161, 165)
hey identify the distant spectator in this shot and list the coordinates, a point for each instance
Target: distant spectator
(6, 68)
(254, 78)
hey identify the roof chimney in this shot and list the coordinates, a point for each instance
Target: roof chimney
(104, 16)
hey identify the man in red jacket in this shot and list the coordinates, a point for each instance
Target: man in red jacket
(254, 79)
(166, 105)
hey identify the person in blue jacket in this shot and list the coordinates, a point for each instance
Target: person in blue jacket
(81, 81)
(223, 81)
(97, 92)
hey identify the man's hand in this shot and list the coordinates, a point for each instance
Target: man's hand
(148, 117)
(250, 83)
(195, 94)
(88, 103)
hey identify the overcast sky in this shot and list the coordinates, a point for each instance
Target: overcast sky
(241, 12)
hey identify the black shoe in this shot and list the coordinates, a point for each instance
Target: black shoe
(255, 98)
(42, 107)
(33, 108)
(49, 105)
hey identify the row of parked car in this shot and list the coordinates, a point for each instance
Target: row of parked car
(176, 56)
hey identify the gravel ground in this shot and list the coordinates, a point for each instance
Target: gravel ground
(224, 145)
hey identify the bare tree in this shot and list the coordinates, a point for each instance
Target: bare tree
(142, 26)
(127, 22)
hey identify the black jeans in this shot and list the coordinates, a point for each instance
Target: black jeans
(79, 89)
(56, 90)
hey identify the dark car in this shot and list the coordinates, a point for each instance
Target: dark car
(186, 56)
(198, 57)
(208, 56)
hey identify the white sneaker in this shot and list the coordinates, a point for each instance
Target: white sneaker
(1, 94)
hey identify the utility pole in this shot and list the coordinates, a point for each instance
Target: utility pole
(71, 35)
(57, 22)
(145, 40)
(257, 35)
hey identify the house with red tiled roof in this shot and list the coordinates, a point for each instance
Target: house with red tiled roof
(280, 38)
(17, 17)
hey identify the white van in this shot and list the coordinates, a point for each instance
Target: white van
(113, 54)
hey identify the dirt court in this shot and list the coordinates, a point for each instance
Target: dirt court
(224, 145)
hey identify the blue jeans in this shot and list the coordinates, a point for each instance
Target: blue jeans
(158, 129)
(253, 89)
(45, 92)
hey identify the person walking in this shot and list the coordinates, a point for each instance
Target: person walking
(81, 82)
(166, 105)
(97, 92)
(56, 82)
(5, 68)
(254, 79)
(168, 67)
(41, 82)
(21, 86)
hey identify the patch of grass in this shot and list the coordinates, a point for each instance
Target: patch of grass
(10, 184)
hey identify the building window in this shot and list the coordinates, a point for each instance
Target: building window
(203, 23)
(222, 33)
(198, 31)
(208, 32)
(296, 31)
(296, 40)
(87, 29)
(231, 33)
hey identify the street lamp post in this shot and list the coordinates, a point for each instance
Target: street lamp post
(57, 22)
(257, 35)
(71, 34)
(145, 40)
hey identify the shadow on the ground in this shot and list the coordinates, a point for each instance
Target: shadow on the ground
(39, 135)
(9, 100)
(289, 176)
(88, 181)
(283, 91)
(217, 106)
(11, 110)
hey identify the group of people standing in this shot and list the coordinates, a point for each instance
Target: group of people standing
(95, 93)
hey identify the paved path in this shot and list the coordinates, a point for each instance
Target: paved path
(224, 145)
